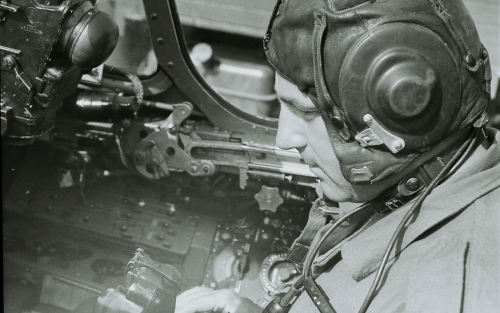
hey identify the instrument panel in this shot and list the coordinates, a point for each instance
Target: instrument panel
(69, 230)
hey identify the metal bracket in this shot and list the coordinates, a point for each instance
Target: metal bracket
(160, 152)
(376, 135)
(173, 58)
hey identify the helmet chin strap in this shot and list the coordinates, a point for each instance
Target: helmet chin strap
(323, 101)
(428, 165)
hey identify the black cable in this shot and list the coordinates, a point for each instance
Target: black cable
(294, 289)
(314, 291)
(290, 294)
(458, 156)
(123, 158)
(475, 135)
(314, 251)
(134, 79)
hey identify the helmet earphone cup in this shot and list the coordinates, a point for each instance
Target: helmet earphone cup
(404, 76)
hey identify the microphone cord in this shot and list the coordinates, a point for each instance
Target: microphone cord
(456, 161)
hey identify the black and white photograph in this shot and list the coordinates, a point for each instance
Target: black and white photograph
(250, 156)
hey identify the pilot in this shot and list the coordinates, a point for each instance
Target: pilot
(385, 100)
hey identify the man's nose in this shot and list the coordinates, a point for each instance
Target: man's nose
(291, 131)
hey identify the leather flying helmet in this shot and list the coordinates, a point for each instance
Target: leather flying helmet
(392, 78)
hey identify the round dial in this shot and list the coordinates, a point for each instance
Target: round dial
(275, 271)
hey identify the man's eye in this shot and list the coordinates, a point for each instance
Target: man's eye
(308, 113)
(304, 112)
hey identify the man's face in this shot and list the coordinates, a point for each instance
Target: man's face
(301, 127)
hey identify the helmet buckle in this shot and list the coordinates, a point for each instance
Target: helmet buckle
(376, 135)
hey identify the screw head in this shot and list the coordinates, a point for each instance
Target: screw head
(368, 119)
(367, 139)
(193, 168)
(398, 145)
(9, 62)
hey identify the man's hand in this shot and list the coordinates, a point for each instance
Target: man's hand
(203, 299)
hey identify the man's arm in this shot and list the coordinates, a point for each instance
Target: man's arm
(203, 299)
